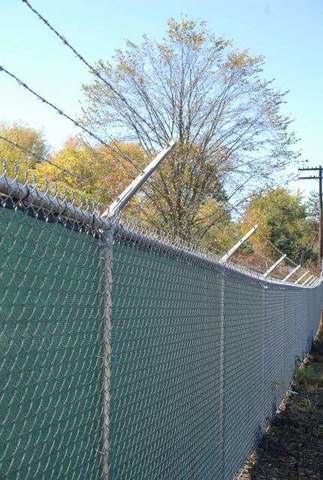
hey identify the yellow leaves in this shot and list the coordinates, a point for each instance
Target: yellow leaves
(241, 59)
(98, 173)
(17, 160)
(187, 31)
(166, 53)
(126, 69)
(279, 215)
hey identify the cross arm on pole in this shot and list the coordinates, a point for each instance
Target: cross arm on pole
(309, 178)
(307, 169)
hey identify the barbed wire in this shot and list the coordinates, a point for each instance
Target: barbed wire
(39, 158)
(264, 237)
(92, 69)
(85, 129)
(112, 146)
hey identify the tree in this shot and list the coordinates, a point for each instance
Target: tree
(30, 140)
(313, 207)
(77, 170)
(282, 219)
(211, 98)
(90, 173)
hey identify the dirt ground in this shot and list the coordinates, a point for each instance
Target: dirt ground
(293, 446)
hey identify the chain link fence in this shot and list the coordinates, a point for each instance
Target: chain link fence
(172, 371)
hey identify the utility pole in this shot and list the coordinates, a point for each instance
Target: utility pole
(319, 178)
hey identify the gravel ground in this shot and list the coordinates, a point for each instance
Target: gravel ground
(292, 449)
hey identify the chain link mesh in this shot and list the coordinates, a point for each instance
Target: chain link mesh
(50, 347)
(173, 373)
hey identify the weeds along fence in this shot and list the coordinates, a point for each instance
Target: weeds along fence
(171, 371)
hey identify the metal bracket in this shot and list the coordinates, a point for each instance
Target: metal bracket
(301, 277)
(307, 281)
(235, 247)
(119, 203)
(292, 273)
(272, 268)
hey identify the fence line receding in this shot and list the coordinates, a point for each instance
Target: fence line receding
(200, 353)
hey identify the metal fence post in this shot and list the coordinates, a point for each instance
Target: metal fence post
(122, 200)
(111, 215)
(312, 282)
(307, 281)
(301, 277)
(107, 259)
(222, 343)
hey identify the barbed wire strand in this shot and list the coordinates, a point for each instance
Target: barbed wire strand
(64, 170)
(92, 69)
(39, 158)
(112, 146)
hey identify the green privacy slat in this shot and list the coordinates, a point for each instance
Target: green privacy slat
(50, 344)
(202, 354)
(166, 367)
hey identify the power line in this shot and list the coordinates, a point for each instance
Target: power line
(318, 177)
(92, 69)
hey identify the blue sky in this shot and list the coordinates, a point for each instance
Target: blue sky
(288, 33)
